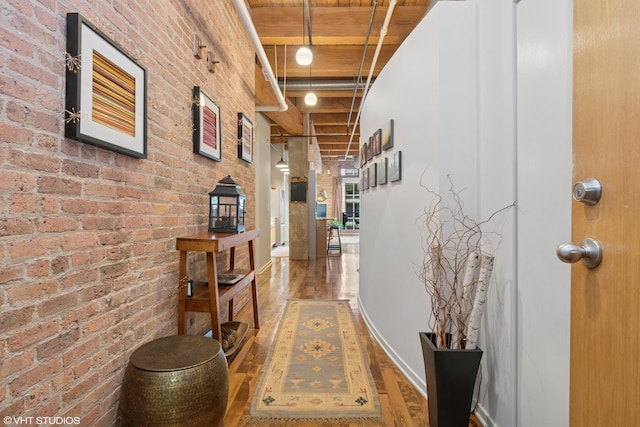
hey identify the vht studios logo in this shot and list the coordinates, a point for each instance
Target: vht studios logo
(10, 421)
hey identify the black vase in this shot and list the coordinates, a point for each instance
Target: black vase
(451, 377)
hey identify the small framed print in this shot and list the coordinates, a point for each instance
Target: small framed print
(207, 139)
(382, 171)
(373, 176)
(245, 138)
(363, 153)
(365, 178)
(370, 149)
(395, 167)
(377, 142)
(106, 91)
(387, 135)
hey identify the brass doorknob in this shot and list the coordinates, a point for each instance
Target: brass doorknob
(589, 251)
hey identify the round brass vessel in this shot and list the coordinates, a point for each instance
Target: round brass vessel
(181, 380)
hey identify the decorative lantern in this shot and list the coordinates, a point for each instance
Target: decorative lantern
(226, 207)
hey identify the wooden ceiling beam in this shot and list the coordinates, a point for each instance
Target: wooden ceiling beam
(333, 25)
(328, 61)
(290, 120)
(322, 119)
(327, 105)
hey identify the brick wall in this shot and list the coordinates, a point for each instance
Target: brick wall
(88, 266)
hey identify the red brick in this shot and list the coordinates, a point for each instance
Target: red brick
(39, 162)
(80, 278)
(11, 273)
(14, 319)
(16, 134)
(11, 408)
(16, 226)
(33, 334)
(114, 238)
(79, 206)
(58, 225)
(33, 376)
(47, 142)
(59, 265)
(16, 88)
(79, 240)
(62, 380)
(36, 396)
(55, 185)
(100, 189)
(14, 364)
(57, 304)
(23, 203)
(38, 268)
(15, 43)
(57, 344)
(25, 115)
(80, 350)
(28, 292)
(79, 259)
(79, 169)
(17, 181)
(32, 248)
(113, 270)
(99, 223)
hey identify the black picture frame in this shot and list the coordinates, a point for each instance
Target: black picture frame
(377, 142)
(106, 91)
(373, 175)
(245, 138)
(382, 171)
(395, 167)
(387, 135)
(207, 132)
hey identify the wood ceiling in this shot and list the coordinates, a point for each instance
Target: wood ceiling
(339, 31)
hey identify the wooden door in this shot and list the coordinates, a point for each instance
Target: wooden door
(605, 302)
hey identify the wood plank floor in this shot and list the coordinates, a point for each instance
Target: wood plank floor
(333, 278)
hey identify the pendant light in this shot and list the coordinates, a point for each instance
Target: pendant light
(304, 56)
(310, 98)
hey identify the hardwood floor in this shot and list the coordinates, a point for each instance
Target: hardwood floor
(333, 278)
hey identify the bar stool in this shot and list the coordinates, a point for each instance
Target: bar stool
(334, 246)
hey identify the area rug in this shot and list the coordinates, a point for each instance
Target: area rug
(316, 371)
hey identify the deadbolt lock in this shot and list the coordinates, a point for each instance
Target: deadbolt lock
(587, 191)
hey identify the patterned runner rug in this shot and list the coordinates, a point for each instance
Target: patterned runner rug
(316, 371)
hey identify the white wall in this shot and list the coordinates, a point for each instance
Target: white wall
(505, 138)
(544, 40)
(452, 105)
(262, 162)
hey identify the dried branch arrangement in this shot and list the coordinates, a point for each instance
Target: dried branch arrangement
(455, 271)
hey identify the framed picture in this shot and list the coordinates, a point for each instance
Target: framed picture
(370, 149)
(363, 154)
(387, 135)
(382, 171)
(245, 138)
(207, 138)
(377, 142)
(106, 92)
(395, 167)
(365, 178)
(373, 179)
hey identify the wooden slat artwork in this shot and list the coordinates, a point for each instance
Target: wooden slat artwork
(114, 96)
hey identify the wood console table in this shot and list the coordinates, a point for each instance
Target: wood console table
(207, 296)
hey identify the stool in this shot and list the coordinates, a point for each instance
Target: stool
(333, 246)
(181, 380)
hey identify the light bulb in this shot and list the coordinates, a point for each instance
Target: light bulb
(310, 99)
(304, 56)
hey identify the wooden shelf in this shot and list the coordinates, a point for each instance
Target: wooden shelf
(208, 295)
